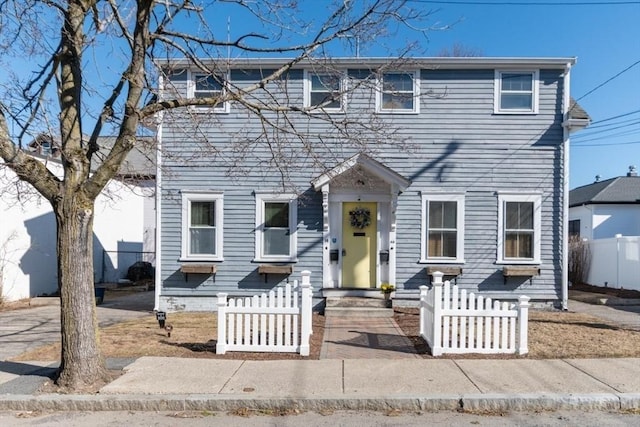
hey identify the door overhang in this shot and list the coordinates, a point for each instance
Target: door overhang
(363, 162)
(359, 179)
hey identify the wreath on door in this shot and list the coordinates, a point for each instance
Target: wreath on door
(360, 218)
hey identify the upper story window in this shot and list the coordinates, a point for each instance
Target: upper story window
(325, 91)
(443, 228)
(516, 92)
(574, 228)
(276, 225)
(519, 219)
(398, 93)
(206, 86)
(202, 226)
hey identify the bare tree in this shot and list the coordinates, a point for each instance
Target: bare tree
(459, 50)
(55, 91)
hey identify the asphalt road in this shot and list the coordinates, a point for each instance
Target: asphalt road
(333, 419)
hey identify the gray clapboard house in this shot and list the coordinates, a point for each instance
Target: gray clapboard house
(395, 169)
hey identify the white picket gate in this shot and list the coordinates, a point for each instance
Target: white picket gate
(279, 321)
(454, 322)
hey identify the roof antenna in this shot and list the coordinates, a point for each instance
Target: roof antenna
(228, 39)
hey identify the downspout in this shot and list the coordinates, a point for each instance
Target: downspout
(566, 130)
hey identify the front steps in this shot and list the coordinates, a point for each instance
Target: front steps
(357, 307)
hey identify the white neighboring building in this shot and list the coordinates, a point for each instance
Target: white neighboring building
(124, 227)
(606, 208)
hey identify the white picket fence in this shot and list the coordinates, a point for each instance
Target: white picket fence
(454, 322)
(279, 321)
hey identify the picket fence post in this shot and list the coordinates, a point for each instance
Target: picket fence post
(423, 309)
(436, 349)
(523, 324)
(221, 346)
(305, 313)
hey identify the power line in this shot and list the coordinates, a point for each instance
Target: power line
(608, 137)
(608, 126)
(606, 145)
(609, 80)
(529, 3)
(615, 117)
(590, 132)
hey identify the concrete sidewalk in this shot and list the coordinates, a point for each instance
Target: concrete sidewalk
(156, 383)
(366, 364)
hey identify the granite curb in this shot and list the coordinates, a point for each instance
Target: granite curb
(463, 403)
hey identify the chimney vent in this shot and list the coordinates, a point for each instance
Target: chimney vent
(632, 171)
(597, 178)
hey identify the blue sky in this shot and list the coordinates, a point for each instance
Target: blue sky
(603, 35)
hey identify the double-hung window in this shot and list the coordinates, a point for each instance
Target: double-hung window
(276, 223)
(443, 228)
(202, 226)
(325, 91)
(209, 86)
(398, 93)
(516, 92)
(574, 228)
(519, 228)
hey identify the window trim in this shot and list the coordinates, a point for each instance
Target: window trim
(535, 91)
(416, 93)
(191, 90)
(536, 199)
(201, 196)
(459, 198)
(308, 88)
(261, 199)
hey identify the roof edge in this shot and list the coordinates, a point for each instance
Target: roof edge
(426, 62)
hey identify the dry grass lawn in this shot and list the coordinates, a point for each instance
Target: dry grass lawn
(193, 335)
(552, 334)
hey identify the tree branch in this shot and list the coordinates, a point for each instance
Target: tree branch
(25, 166)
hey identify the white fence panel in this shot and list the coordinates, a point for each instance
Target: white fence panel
(279, 321)
(615, 262)
(453, 322)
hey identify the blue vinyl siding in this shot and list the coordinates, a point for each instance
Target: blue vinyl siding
(456, 143)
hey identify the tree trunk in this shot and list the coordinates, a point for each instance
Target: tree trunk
(81, 364)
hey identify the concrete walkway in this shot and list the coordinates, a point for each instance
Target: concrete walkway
(365, 338)
(26, 329)
(626, 316)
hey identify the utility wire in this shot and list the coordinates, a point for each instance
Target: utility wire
(529, 3)
(589, 132)
(615, 117)
(602, 137)
(610, 125)
(606, 145)
(609, 80)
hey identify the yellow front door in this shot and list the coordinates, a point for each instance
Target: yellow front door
(359, 244)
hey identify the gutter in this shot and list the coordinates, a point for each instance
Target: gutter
(397, 62)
